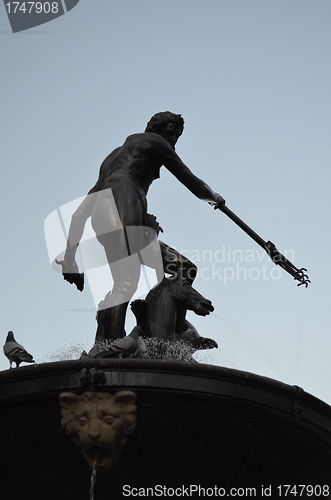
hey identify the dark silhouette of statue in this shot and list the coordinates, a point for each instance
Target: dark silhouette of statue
(124, 179)
(162, 313)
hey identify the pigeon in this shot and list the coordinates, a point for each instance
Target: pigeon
(15, 352)
(124, 347)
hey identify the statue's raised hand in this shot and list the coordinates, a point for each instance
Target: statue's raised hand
(71, 273)
(218, 202)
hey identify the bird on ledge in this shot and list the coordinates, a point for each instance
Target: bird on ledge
(16, 352)
(124, 347)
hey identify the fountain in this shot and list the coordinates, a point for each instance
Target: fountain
(196, 424)
(155, 422)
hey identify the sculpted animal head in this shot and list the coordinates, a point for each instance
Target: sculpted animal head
(185, 294)
(99, 424)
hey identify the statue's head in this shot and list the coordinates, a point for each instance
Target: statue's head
(169, 125)
(99, 424)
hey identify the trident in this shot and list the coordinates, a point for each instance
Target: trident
(269, 247)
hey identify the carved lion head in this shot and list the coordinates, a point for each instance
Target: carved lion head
(99, 424)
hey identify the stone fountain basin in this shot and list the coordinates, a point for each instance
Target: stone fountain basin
(196, 425)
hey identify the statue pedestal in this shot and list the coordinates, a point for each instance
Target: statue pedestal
(196, 425)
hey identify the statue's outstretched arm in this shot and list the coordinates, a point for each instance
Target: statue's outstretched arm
(197, 186)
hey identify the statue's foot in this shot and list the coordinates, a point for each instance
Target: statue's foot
(201, 343)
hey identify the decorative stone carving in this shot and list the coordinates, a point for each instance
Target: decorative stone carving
(99, 424)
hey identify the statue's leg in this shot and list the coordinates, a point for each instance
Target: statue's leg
(111, 322)
(126, 273)
(113, 214)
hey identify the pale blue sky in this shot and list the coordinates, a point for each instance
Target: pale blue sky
(252, 81)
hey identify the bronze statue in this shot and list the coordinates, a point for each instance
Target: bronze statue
(124, 179)
(163, 312)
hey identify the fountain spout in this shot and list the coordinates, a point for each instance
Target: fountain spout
(99, 424)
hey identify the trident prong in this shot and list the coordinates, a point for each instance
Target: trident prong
(269, 247)
(303, 277)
